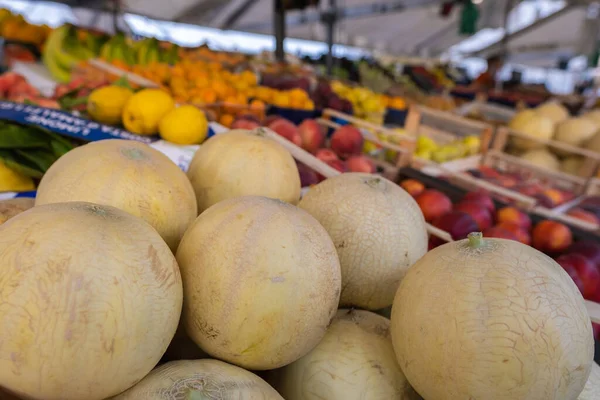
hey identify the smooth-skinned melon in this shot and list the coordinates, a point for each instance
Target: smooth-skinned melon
(243, 163)
(354, 361)
(261, 281)
(554, 111)
(199, 380)
(128, 175)
(90, 297)
(532, 124)
(485, 318)
(378, 230)
(575, 131)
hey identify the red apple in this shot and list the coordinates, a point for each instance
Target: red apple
(286, 129)
(483, 198)
(587, 271)
(412, 186)
(457, 223)
(433, 204)
(312, 135)
(270, 119)
(478, 211)
(515, 216)
(360, 164)
(551, 237)
(308, 176)
(574, 276)
(346, 141)
(584, 215)
(522, 235)
(244, 123)
(587, 248)
(596, 329)
(326, 155)
(337, 164)
(499, 233)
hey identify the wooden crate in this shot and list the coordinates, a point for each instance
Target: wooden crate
(444, 128)
(487, 112)
(576, 183)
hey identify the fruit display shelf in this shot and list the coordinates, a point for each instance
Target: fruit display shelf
(445, 140)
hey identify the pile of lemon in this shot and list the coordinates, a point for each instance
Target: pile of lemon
(148, 112)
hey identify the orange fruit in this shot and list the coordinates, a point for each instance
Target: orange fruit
(226, 120)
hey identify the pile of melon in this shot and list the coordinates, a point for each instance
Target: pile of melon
(552, 121)
(129, 279)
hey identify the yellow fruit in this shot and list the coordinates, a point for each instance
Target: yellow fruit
(12, 181)
(145, 109)
(184, 125)
(106, 104)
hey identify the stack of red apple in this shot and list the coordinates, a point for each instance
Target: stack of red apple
(476, 211)
(343, 151)
(547, 196)
(14, 87)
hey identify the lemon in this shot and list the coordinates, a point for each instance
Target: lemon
(144, 110)
(106, 104)
(184, 125)
(12, 181)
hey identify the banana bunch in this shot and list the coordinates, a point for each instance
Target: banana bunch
(149, 51)
(171, 54)
(117, 49)
(63, 51)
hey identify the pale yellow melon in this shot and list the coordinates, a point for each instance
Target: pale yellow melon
(261, 282)
(532, 124)
(485, 318)
(554, 111)
(354, 361)
(13, 207)
(575, 131)
(200, 379)
(241, 163)
(90, 297)
(128, 175)
(378, 230)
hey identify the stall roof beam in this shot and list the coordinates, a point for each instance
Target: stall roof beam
(359, 11)
(500, 45)
(200, 12)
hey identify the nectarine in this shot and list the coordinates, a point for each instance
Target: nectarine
(483, 198)
(412, 186)
(584, 215)
(515, 216)
(517, 230)
(433, 204)
(551, 237)
(346, 141)
(312, 135)
(287, 129)
(500, 233)
(360, 164)
(477, 211)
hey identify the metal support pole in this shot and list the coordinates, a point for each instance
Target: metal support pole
(329, 18)
(279, 24)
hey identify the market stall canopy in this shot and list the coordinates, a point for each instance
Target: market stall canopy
(540, 31)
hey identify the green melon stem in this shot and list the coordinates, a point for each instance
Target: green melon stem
(475, 239)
